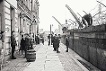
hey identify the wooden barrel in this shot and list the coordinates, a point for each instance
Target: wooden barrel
(31, 55)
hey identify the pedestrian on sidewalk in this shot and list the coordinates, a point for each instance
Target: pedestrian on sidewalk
(48, 39)
(67, 43)
(13, 44)
(22, 45)
(42, 40)
(53, 39)
(27, 43)
(36, 39)
(56, 43)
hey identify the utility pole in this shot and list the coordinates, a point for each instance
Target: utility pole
(50, 33)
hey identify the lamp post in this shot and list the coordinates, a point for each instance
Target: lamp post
(50, 32)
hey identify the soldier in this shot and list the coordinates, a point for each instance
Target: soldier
(67, 43)
(56, 43)
(53, 39)
(13, 44)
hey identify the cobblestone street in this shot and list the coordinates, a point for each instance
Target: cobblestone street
(47, 60)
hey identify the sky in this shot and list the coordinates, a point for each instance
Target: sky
(56, 8)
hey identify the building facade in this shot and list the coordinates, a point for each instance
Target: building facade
(18, 16)
(8, 23)
(35, 16)
(28, 16)
(24, 16)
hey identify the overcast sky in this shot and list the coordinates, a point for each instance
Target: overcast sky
(49, 8)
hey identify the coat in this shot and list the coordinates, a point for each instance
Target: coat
(67, 42)
(27, 43)
(13, 41)
(56, 42)
(22, 44)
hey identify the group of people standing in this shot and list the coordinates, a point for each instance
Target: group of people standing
(25, 44)
(55, 41)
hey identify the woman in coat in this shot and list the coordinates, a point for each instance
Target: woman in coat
(22, 45)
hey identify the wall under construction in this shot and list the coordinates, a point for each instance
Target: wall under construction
(90, 43)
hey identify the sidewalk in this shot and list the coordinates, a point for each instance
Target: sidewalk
(47, 60)
(18, 64)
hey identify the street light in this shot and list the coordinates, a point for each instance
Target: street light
(50, 32)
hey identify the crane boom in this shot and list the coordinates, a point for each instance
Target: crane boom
(74, 15)
(57, 21)
(101, 3)
(79, 15)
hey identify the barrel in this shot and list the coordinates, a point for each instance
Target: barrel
(31, 55)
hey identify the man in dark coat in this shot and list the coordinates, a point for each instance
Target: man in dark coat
(56, 44)
(13, 44)
(67, 43)
(36, 39)
(42, 40)
(53, 39)
(27, 43)
(48, 39)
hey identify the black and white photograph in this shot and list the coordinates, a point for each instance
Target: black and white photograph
(52, 35)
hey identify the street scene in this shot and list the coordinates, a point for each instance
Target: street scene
(52, 35)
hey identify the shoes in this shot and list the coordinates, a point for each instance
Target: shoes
(54, 50)
(58, 51)
(66, 51)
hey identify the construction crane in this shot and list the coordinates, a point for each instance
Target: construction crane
(68, 25)
(75, 16)
(101, 3)
(57, 21)
(64, 28)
